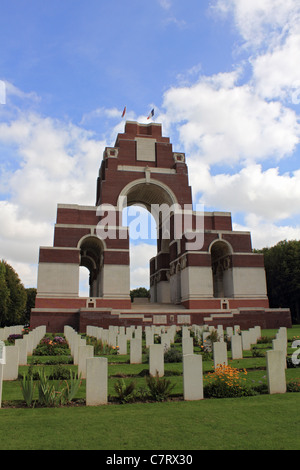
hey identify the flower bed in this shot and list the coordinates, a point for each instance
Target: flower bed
(52, 346)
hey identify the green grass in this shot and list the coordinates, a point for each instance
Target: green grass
(265, 422)
(260, 422)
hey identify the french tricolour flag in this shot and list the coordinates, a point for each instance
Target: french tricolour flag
(151, 114)
(124, 112)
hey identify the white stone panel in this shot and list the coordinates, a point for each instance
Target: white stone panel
(196, 282)
(58, 279)
(145, 149)
(163, 292)
(249, 282)
(116, 281)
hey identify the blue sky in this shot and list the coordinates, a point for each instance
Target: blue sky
(223, 77)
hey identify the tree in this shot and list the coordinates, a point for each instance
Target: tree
(12, 296)
(139, 292)
(4, 294)
(282, 263)
(30, 302)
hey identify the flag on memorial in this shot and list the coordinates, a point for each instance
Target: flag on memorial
(151, 114)
(124, 112)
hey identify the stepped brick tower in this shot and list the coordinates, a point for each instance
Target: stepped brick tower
(204, 272)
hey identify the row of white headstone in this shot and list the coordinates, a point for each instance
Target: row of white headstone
(117, 336)
(10, 330)
(94, 369)
(11, 357)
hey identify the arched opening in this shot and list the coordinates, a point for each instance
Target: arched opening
(150, 203)
(91, 257)
(142, 243)
(221, 269)
(84, 282)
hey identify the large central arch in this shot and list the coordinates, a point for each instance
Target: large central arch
(160, 201)
(146, 192)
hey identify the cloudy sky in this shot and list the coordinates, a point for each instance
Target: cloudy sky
(223, 77)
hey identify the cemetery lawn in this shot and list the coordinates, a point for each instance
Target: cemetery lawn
(262, 422)
(265, 422)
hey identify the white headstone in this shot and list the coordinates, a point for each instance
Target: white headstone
(246, 340)
(165, 341)
(276, 371)
(192, 377)
(84, 352)
(96, 381)
(149, 337)
(135, 351)
(236, 347)
(220, 354)
(220, 332)
(187, 345)
(11, 367)
(156, 360)
(229, 331)
(122, 343)
(22, 346)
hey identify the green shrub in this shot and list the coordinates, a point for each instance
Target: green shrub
(100, 348)
(226, 382)
(27, 387)
(52, 346)
(160, 388)
(256, 352)
(125, 393)
(261, 388)
(265, 339)
(47, 392)
(51, 360)
(213, 337)
(223, 390)
(60, 373)
(72, 387)
(291, 364)
(293, 386)
(31, 373)
(173, 355)
(206, 355)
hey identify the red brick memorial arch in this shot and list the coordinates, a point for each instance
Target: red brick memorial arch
(204, 272)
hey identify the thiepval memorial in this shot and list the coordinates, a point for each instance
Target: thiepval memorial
(203, 272)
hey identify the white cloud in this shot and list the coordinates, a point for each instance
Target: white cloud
(267, 234)
(224, 122)
(241, 122)
(165, 4)
(53, 162)
(268, 194)
(276, 74)
(44, 162)
(271, 28)
(260, 22)
(56, 162)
